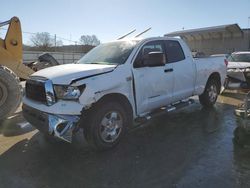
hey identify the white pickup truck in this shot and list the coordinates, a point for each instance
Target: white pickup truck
(117, 84)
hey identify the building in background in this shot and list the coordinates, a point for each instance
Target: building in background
(222, 39)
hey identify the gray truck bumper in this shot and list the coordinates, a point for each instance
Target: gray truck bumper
(60, 126)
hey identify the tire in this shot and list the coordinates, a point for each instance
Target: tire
(106, 124)
(210, 94)
(10, 92)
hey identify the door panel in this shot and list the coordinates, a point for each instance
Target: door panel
(184, 77)
(153, 87)
(184, 70)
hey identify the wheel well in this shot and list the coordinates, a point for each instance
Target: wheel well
(118, 98)
(121, 99)
(216, 76)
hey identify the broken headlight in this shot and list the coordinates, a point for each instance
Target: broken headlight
(68, 92)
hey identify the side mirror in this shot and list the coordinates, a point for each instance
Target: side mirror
(155, 59)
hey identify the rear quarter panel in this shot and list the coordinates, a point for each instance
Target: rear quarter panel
(207, 66)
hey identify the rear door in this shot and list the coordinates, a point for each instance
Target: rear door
(153, 85)
(183, 69)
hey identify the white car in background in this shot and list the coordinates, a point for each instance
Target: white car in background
(238, 72)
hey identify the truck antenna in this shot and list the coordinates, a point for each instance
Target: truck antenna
(142, 32)
(126, 34)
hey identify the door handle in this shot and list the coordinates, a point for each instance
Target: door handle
(168, 70)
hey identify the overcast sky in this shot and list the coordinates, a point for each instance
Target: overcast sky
(108, 19)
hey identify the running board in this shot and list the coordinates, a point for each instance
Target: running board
(165, 110)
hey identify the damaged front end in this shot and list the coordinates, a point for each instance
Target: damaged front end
(60, 126)
(238, 78)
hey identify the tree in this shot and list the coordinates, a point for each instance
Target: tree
(89, 40)
(42, 40)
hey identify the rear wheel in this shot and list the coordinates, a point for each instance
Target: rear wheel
(10, 92)
(106, 125)
(210, 94)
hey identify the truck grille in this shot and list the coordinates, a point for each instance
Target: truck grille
(35, 90)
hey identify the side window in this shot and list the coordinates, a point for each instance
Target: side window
(154, 46)
(174, 51)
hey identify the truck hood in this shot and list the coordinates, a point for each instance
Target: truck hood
(239, 65)
(65, 74)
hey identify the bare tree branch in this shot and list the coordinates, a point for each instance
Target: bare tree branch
(42, 40)
(89, 40)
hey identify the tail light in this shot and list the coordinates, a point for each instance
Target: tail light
(226, 62)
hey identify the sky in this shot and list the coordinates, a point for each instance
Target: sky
(109, 19)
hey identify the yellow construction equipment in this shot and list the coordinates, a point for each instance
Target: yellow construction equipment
(11, 68)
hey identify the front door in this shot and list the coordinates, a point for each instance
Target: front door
(154, 84)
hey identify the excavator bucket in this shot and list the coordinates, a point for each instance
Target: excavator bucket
(11, 54)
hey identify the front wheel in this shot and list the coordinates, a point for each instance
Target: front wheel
(210, 94)
(106, 125)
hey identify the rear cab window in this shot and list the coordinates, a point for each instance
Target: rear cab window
(174, 51)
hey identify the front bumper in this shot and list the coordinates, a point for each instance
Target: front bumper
(237, 79)
(232, 83)
(60, 126)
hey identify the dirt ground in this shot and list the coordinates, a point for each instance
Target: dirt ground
(189, 148)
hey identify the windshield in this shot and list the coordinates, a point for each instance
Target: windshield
(113, 53)
(239, 58)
